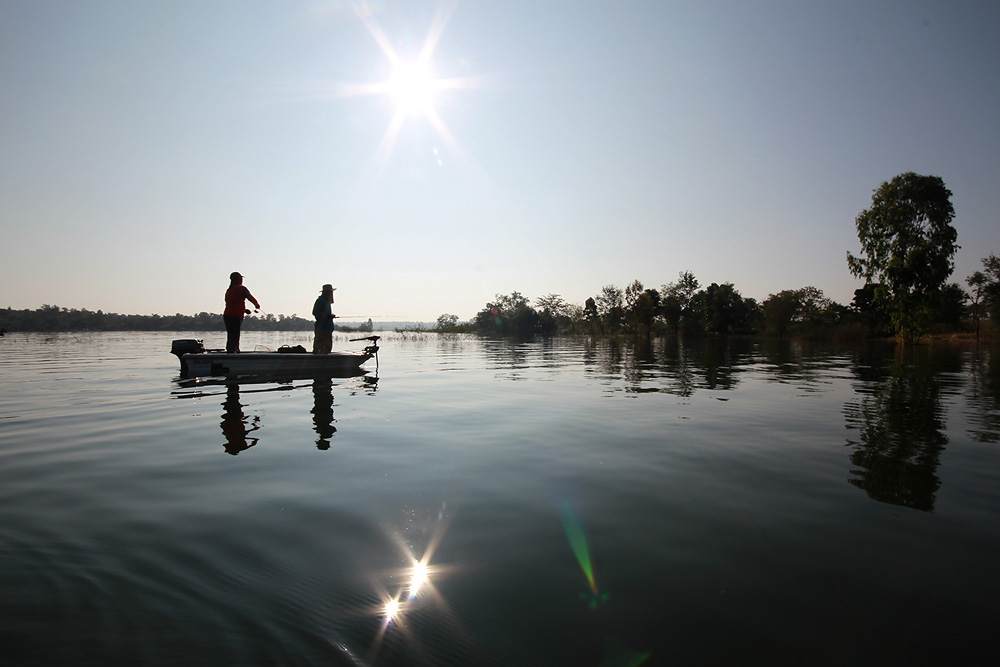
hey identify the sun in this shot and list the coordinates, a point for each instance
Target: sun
(412, 87)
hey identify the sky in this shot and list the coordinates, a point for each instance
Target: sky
(424, 157)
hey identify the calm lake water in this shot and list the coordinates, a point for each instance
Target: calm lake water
(480, 502)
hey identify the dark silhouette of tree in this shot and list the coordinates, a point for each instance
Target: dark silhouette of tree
(609, 307)
(869, 311)
(949, 307)
(977, 283)
(645, 310)
(721, 309)
(554, 314)
(986, 287)
(807, 309)
(907, 244)
(54, 318)
(780, 311)
(508, 315)
(676, 302)
(447, 322)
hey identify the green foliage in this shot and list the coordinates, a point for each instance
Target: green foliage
(985, 296)
(508, 315)
(780, 310)
(675, 303)
(447, 322)
(868, 312)
(806, 312)
(722, 310)
(991, 287)
(950, 305)
(907, 244)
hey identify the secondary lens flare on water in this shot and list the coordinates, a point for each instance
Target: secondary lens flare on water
(416, 581)
(578, 543)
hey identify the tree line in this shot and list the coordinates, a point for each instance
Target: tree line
(908, 245)
(685, 308)
(54, 318)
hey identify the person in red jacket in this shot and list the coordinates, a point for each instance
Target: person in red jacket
(236, 308)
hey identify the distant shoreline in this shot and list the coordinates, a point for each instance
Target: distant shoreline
(55, 319)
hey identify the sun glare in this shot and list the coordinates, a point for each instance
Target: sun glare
(391, 609)
(412, 88)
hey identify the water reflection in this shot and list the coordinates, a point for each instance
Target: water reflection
(322, 411)
(236, 426)
(897, 414)
(984, 396)
(900, 424)
(668, 365)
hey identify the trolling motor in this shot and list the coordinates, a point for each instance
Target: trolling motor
(370, 349)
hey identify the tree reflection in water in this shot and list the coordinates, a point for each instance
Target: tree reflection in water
(984, 396)
(900, 423)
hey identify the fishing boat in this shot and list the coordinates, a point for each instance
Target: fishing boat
(295, 361)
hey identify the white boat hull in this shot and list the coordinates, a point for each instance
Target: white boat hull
(200, 363)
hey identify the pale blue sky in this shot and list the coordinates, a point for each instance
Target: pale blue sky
(148, 149)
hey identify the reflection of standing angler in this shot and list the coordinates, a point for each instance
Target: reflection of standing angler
(322, 411)
(235, 425)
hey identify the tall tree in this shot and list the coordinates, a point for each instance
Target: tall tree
(609, 305)
(683, 289)
(676, 299)
(722, 309)
(446, 321)
(907, 244)
(780, 310)
(632, 293)
(991, 272)
(553, 303)
(507, 315)
(977, 283)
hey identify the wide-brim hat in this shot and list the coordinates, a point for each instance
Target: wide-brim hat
(328, 288)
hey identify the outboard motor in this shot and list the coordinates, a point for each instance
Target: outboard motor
(186, 346)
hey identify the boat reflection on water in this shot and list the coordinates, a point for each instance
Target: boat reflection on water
(237, 425)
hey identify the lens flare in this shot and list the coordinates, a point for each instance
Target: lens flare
(392, 610)
(578, 543)
(418, 579)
